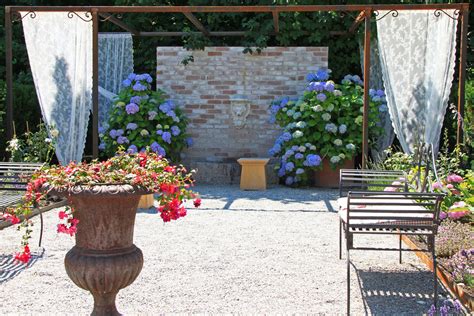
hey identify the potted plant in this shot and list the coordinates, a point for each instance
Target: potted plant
(141, 117)
(103, 199)
(322, 130)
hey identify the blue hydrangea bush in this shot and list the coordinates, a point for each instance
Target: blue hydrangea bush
(324, 123)
(140, 118)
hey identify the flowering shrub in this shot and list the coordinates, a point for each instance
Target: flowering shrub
(453, 237)
(141, 117)
(34, 146)
(459, 200)
(147, 171)
(326, 122)
(461, 266)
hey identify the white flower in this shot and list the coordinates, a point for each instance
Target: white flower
(301, 124)
(144, 132)
(54, 133)
(337, 93)
(361, 109)
(330, 107)
(297, 134)
(317, 108)
(302, 149)
(152, 115)
(14, 144)
(312, 147)
(326, 116)
(284, 109)
(290, 112)
(120, 104)
(350, 146)
(358, 120)
(48, 140)
(335, 159)
(337, 142)
(342, 156)
(297, 115)
(159, 126)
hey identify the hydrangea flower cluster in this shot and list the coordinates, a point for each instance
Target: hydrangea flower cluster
(143, 118)
(324, 123)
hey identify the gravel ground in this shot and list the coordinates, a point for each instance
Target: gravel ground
(243, 252)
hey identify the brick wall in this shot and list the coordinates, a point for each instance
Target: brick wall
(209, 89)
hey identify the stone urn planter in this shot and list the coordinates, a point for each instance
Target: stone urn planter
(328, 177)
(104, 259)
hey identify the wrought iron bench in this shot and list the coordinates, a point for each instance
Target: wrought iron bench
(14, 177)
(370, 210)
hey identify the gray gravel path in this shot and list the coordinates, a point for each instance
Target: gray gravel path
(244, 252)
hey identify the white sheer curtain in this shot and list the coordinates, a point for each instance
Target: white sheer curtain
(115, 64)
(60, 54)
(417, 50)
(376, 82)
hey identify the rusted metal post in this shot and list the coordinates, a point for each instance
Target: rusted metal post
(462, 73)
(365, 123)
(95, 84)
(9, 73)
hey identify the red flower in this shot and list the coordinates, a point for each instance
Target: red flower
(38, 183)
(10, 217)
(25, 256)
(170, 169)
(197, 202)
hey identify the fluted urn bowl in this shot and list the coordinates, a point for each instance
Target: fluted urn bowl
(104, 259)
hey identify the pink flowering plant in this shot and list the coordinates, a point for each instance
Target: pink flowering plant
(141, 117)
(325, 122)
(459, 201)
(146, 171)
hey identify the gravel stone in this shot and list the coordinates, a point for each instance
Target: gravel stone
(251, 252)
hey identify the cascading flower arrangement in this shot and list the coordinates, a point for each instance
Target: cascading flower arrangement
(141, 117)
(324, 123)
(146, 171)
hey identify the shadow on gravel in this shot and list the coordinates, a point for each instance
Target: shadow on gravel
(10, 268)
(396, 293)
(282, 194)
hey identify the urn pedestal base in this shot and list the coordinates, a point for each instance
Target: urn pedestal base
(104, 273)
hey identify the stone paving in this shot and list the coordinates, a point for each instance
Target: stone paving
(271, 252)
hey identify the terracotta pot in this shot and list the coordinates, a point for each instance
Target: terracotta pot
(104, 259)
(328, 177)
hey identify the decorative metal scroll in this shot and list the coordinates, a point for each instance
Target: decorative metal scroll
(17, 17)
(455, 16)
(87, 14)
(377, 13)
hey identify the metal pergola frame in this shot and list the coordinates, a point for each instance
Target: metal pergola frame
(461, 12)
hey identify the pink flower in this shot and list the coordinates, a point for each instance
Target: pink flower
(443, 215)
(62, 215)
(390, 189)
(458, 204)
(454, 178)
(197, 202)
(450, 186)
(457, 215)
(437, 185)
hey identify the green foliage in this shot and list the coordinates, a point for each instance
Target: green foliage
(142, 118)
(33, 146)
(326, 121)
